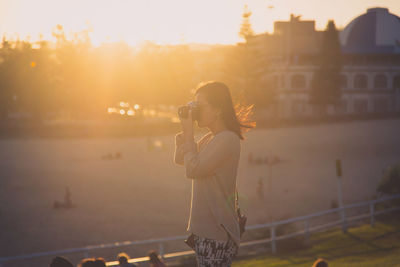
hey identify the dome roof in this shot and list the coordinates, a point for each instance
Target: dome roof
(375, 32)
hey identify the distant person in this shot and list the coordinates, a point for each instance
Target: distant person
(320, 263)
(60, 262)
(123, 260)
(67, 198)
(215, 222)
(155, 261)
(260, 188)
(276, 160)
(67, 204)
(118, 155)
(266, 160)
(93, 262)
(258, 160)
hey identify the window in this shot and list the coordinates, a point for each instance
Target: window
(273, 81)
(360, 81)
(380, 81)
(360, 106)
(343, 81)
(298, 81)
(282, 80)
(297, 107)
(381, 105)
(341, 107)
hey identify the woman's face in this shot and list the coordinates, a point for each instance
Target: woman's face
(208, 114)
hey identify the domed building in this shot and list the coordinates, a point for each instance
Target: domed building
(370, 75)
(375, 32)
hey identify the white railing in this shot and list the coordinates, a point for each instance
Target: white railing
(272, 239)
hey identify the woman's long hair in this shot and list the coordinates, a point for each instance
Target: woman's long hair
(236, 119)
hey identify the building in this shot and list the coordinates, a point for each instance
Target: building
(370, 76)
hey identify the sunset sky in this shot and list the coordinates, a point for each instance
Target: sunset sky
(170, 21)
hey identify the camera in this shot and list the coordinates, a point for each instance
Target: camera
(183, 111)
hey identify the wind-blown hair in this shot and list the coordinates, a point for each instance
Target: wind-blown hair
(236, 118)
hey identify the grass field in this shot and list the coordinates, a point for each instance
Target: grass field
(361, 246)
(145, 195)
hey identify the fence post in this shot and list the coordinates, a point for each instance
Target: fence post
(273, 241)
(371, 210)
(307, 231)
(344, 221)
(340, 195)
(161, 250)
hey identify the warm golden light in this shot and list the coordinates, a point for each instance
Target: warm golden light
(170, 22)
(112, 110)
(33, 64)
(124, 104)
(175, 120)
(122, 112)
(158, 143)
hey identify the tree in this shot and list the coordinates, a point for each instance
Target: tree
(164, 75)
(244, 69)
(25, 76)
(245, 66)
(5, 80)
(79, 79)
(325, 86)
(246, 30)
(390, 182)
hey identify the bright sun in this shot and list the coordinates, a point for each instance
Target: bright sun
(133, 21)
(168, 21)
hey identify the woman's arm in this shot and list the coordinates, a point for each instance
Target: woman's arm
(179, 149)
(187, 135)
(178, 154)
(203, 164)
(211, 157)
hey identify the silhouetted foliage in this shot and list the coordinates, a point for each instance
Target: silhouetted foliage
(70, 78)
(390, 182)
(244, 68)
(246, 31)
(6, 90)
(325, 87)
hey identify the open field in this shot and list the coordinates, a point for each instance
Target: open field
(362, 246)
(145, 195)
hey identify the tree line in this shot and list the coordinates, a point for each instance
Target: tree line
(71, 76)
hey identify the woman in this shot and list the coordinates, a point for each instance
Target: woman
(212, 165)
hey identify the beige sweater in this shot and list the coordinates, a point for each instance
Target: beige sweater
(212, 165)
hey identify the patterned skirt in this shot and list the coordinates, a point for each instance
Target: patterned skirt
(214, 253)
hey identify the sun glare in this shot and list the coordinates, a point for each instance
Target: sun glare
(167, 22)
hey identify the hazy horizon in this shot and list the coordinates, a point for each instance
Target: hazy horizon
(171, 22)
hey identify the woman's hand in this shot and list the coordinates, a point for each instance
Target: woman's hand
(179, 140)
(187, 127)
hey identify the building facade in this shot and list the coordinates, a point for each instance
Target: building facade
(370, 75)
